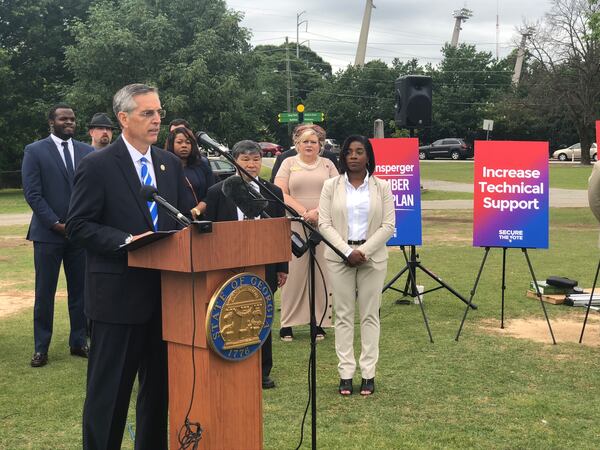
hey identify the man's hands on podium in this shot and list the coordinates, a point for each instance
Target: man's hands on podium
(139, 236)
(356, 258)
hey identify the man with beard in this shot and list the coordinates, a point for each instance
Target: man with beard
(100, 129)
(48, 169)
(123, 303)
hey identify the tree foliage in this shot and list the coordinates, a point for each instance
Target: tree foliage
(567, 57)
(33, 35)
(200, 58)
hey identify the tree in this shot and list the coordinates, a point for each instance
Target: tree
(307, 74)
(33, 36)
(465, 84)
(567, 54)
(194, 51)
(354, 98)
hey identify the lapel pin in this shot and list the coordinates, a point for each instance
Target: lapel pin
(162, 167)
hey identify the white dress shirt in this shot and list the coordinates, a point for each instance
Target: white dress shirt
(136, 156)
(58, 141)
(253, 185)
(357, 203)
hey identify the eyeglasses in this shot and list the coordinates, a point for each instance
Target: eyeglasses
(149, 114)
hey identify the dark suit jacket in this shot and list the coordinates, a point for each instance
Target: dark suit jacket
(47, 187)
(105, 208)
(221, 209)
(292, 152)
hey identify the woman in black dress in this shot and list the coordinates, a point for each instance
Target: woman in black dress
(198, 174)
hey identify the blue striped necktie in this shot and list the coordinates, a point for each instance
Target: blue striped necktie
(147, 180)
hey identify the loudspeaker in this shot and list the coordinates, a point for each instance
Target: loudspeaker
(413, 101)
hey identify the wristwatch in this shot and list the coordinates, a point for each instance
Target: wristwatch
(128, 239)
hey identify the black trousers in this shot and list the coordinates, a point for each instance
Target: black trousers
(117, 353)
(267, 347)
(267, 356)
(47, 259)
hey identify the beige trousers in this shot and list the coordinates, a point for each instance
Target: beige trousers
(352, 285)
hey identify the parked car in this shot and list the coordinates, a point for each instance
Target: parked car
(221, 168)
(269, 149)
(566, 154)
(332, 145)
(446, 148)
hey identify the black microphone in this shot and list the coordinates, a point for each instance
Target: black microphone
(150, 194)
(250, 202)
(206, 140)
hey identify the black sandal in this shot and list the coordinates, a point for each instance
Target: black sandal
(345, 387)
(367, 387)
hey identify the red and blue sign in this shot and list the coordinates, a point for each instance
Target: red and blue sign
(397, 161)
(510, 203)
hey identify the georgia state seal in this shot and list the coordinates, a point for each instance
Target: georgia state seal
(239, 316)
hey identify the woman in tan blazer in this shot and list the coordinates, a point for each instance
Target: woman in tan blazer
(356, 214)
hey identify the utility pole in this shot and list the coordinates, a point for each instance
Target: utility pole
(497, 30)
(361, 51)
(520, 55)
(298, 23)
(461, 15)
(288, 76)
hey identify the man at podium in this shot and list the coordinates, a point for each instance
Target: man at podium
(220, 208)
(123, 303)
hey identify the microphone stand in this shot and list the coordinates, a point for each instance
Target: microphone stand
(314, 238)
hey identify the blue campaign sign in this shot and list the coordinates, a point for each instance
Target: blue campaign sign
(397, 161)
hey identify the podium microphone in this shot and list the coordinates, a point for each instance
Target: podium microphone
(207, 141)
(150, 194)
(250, 202)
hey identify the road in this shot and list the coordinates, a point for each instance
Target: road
(559, 198)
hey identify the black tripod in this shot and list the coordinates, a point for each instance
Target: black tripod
(587, 311)
(537, 290)
(410, 288)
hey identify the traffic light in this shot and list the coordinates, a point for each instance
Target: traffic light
(300, 109)
(413, 101)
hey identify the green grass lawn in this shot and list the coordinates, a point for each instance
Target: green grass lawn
(486, 391)
(565, 176)
(13, 202)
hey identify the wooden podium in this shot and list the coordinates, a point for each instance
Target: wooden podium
(228, 395)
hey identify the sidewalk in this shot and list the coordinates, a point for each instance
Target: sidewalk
(559, 198)
(15, 219)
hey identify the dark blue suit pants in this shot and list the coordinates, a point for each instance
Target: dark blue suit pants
(47, 260)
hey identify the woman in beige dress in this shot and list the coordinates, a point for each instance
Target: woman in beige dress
(301, 179)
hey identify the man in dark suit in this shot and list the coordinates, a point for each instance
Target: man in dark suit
(219, 208)
(47, 170)
(123, 303)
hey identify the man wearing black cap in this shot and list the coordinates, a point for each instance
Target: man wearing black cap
(101, 130)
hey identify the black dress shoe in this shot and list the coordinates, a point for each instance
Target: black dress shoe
(267, 383)
(345, 387)
(80, 351)
(367, 387)
(39, 359)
